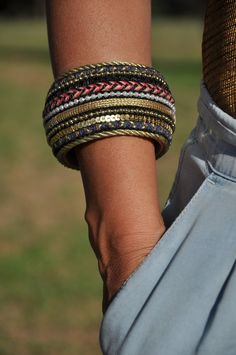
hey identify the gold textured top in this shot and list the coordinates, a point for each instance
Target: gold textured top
(219, 53)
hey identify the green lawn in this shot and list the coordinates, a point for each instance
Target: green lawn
(50, 292)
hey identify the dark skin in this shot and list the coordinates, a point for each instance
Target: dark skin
(119, 173)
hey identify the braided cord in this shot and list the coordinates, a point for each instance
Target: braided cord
(71, 161)
(98, 65)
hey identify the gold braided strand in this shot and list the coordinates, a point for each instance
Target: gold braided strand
(99, 65)
(83, 76)
(107, 118)
(67, 157)
(107, 103)
(219, 53)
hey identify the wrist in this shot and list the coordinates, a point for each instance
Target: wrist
(120, 246)
(116, 227)
(114, 239)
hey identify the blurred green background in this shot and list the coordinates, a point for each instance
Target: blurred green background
(50, 291)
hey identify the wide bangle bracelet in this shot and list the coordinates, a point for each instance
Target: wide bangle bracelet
(107, 99)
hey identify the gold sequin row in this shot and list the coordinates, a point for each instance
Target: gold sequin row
(108, 118)
(109, 103)
(153, 116)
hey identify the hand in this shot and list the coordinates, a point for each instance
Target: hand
(120, 254)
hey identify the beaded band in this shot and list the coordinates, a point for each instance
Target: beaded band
(107, 99)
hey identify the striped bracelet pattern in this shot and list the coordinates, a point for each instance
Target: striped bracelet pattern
(105, 89)
(107, 99)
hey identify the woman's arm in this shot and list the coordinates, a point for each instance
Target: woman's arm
(119, 173)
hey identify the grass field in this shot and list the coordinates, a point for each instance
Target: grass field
(50, 292)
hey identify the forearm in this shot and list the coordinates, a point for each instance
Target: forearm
(123, 211)
(83, 32)
(119, 173)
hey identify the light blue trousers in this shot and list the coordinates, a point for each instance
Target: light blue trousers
(182, 299)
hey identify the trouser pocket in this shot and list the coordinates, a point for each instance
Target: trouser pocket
(135, 296)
